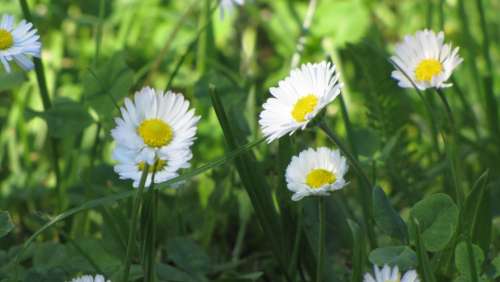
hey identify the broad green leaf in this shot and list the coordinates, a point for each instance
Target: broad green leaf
(402, 256)
(6, 224)
(386, 218)
(105, 86)
(462, 260)
(166, 272)
(438, 219)
(188, 255)
(66, 118)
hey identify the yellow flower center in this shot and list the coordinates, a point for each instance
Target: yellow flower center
(303, 107)
(155, 132)
(397, 280)
(6, 39)
(158, 166)
(427, 69)
(319, 177)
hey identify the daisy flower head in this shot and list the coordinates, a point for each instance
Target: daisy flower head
(165, 168)
(316, 172)
(154, 126)
(386, 274)
(228, 5)
(298, 99)
(90, 278)
(18, 43)
(425, 61)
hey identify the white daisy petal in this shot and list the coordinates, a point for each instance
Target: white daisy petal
(316, 172)
(154, 128)
(424, 61)
(90, 278)
(388, 274)
(18, 43)
(298, 99)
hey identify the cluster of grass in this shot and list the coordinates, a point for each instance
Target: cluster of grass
(431, 200)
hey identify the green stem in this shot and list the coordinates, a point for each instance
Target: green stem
(292, 268)
(44, 93)
(133, 225)
(306, 25)
(365, 202)
(472, 260)
(321, 240)
(452, 149)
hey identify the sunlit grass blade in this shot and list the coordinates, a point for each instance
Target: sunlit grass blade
(104, 201)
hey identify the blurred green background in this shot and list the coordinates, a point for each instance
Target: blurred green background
(207, 229)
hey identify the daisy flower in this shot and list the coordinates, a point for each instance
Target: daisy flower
(386, 274)
(316, 172)
(155, 125)
(298, 99)
(228, 5)
(164, 168)
(90, 278)
(18, 43)
(425, 61)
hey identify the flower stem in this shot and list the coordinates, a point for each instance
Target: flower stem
(321, 239)
(292, 268)
(364, 195)
(451, 149)
(44, 93)
(133, 225)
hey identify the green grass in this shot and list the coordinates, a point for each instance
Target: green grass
(424, 172)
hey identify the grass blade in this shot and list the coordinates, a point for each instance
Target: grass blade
(255, 185)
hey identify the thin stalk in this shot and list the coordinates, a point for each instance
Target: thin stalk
(429, 16)
(472, 260)
(188, 50)
(292, 269)
(348, 126)
(321, 240)
(149, 242)
(441, 14)
(98, 34)
(452, 149)
(44, 93)
(365, 202)
(133, 225)
(299, 48)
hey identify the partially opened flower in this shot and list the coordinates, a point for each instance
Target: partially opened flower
(165, 168)
(298, 99)
(228, 5)
(18, 43)
(386, 274)
(90, 278)
(316, 172)
(425, 60)
(155, 125)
